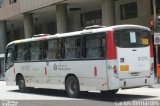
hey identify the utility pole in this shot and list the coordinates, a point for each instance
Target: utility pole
(155, 14)
(155, 26)
(155, 30)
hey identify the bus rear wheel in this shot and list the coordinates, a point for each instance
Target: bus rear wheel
(21, 84)
(72, 87)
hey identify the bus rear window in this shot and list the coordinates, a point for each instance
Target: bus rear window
(130, 38)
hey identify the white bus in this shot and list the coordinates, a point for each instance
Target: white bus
(95, 59)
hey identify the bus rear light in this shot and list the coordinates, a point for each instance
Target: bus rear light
(115, 69)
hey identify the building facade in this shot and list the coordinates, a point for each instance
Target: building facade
(24, 18)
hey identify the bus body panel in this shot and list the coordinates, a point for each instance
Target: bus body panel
(113, 79)
(83, 70)
(52, 74)
(120, 68)
(10, 77)
(135, 60)
(140, 81)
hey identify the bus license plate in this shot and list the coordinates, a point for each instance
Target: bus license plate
(124, 68)
(135, 74)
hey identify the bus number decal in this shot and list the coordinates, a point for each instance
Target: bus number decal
(145, 58)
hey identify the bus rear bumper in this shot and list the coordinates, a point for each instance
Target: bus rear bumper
(136, 82)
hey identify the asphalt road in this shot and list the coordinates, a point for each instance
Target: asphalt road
(10, 96)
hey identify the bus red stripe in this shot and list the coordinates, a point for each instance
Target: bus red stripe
(111, 48)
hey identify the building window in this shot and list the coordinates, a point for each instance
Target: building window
(38, 29)
(1, 3)
(17, 34)
(91, 18)
(12, 1)
(157, 6)
(128, 10)
(52, 29)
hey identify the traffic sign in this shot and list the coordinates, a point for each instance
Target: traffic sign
(157, 38)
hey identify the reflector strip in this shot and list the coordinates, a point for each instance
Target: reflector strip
(46, 71)
(95, 71)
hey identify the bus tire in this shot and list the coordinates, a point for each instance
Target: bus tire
(72, 87)
(110, 92)
(21, 84)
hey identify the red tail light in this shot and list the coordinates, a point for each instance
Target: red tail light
(115, 69)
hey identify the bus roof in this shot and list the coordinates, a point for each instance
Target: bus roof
(85, 31)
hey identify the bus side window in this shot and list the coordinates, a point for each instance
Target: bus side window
(94, 46)
(45, 49)
(25, 52)
(36, 51)
(53, 49)
(9, 56)
(21, 52)
(15, 53)
(91, 47)
(62, 48)
(102, 45)
(72, 48)
(78, 47)
(58, 50)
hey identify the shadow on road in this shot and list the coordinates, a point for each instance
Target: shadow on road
(89, 96)
(115, 97)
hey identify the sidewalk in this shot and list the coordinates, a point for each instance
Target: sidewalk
(156, 84)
